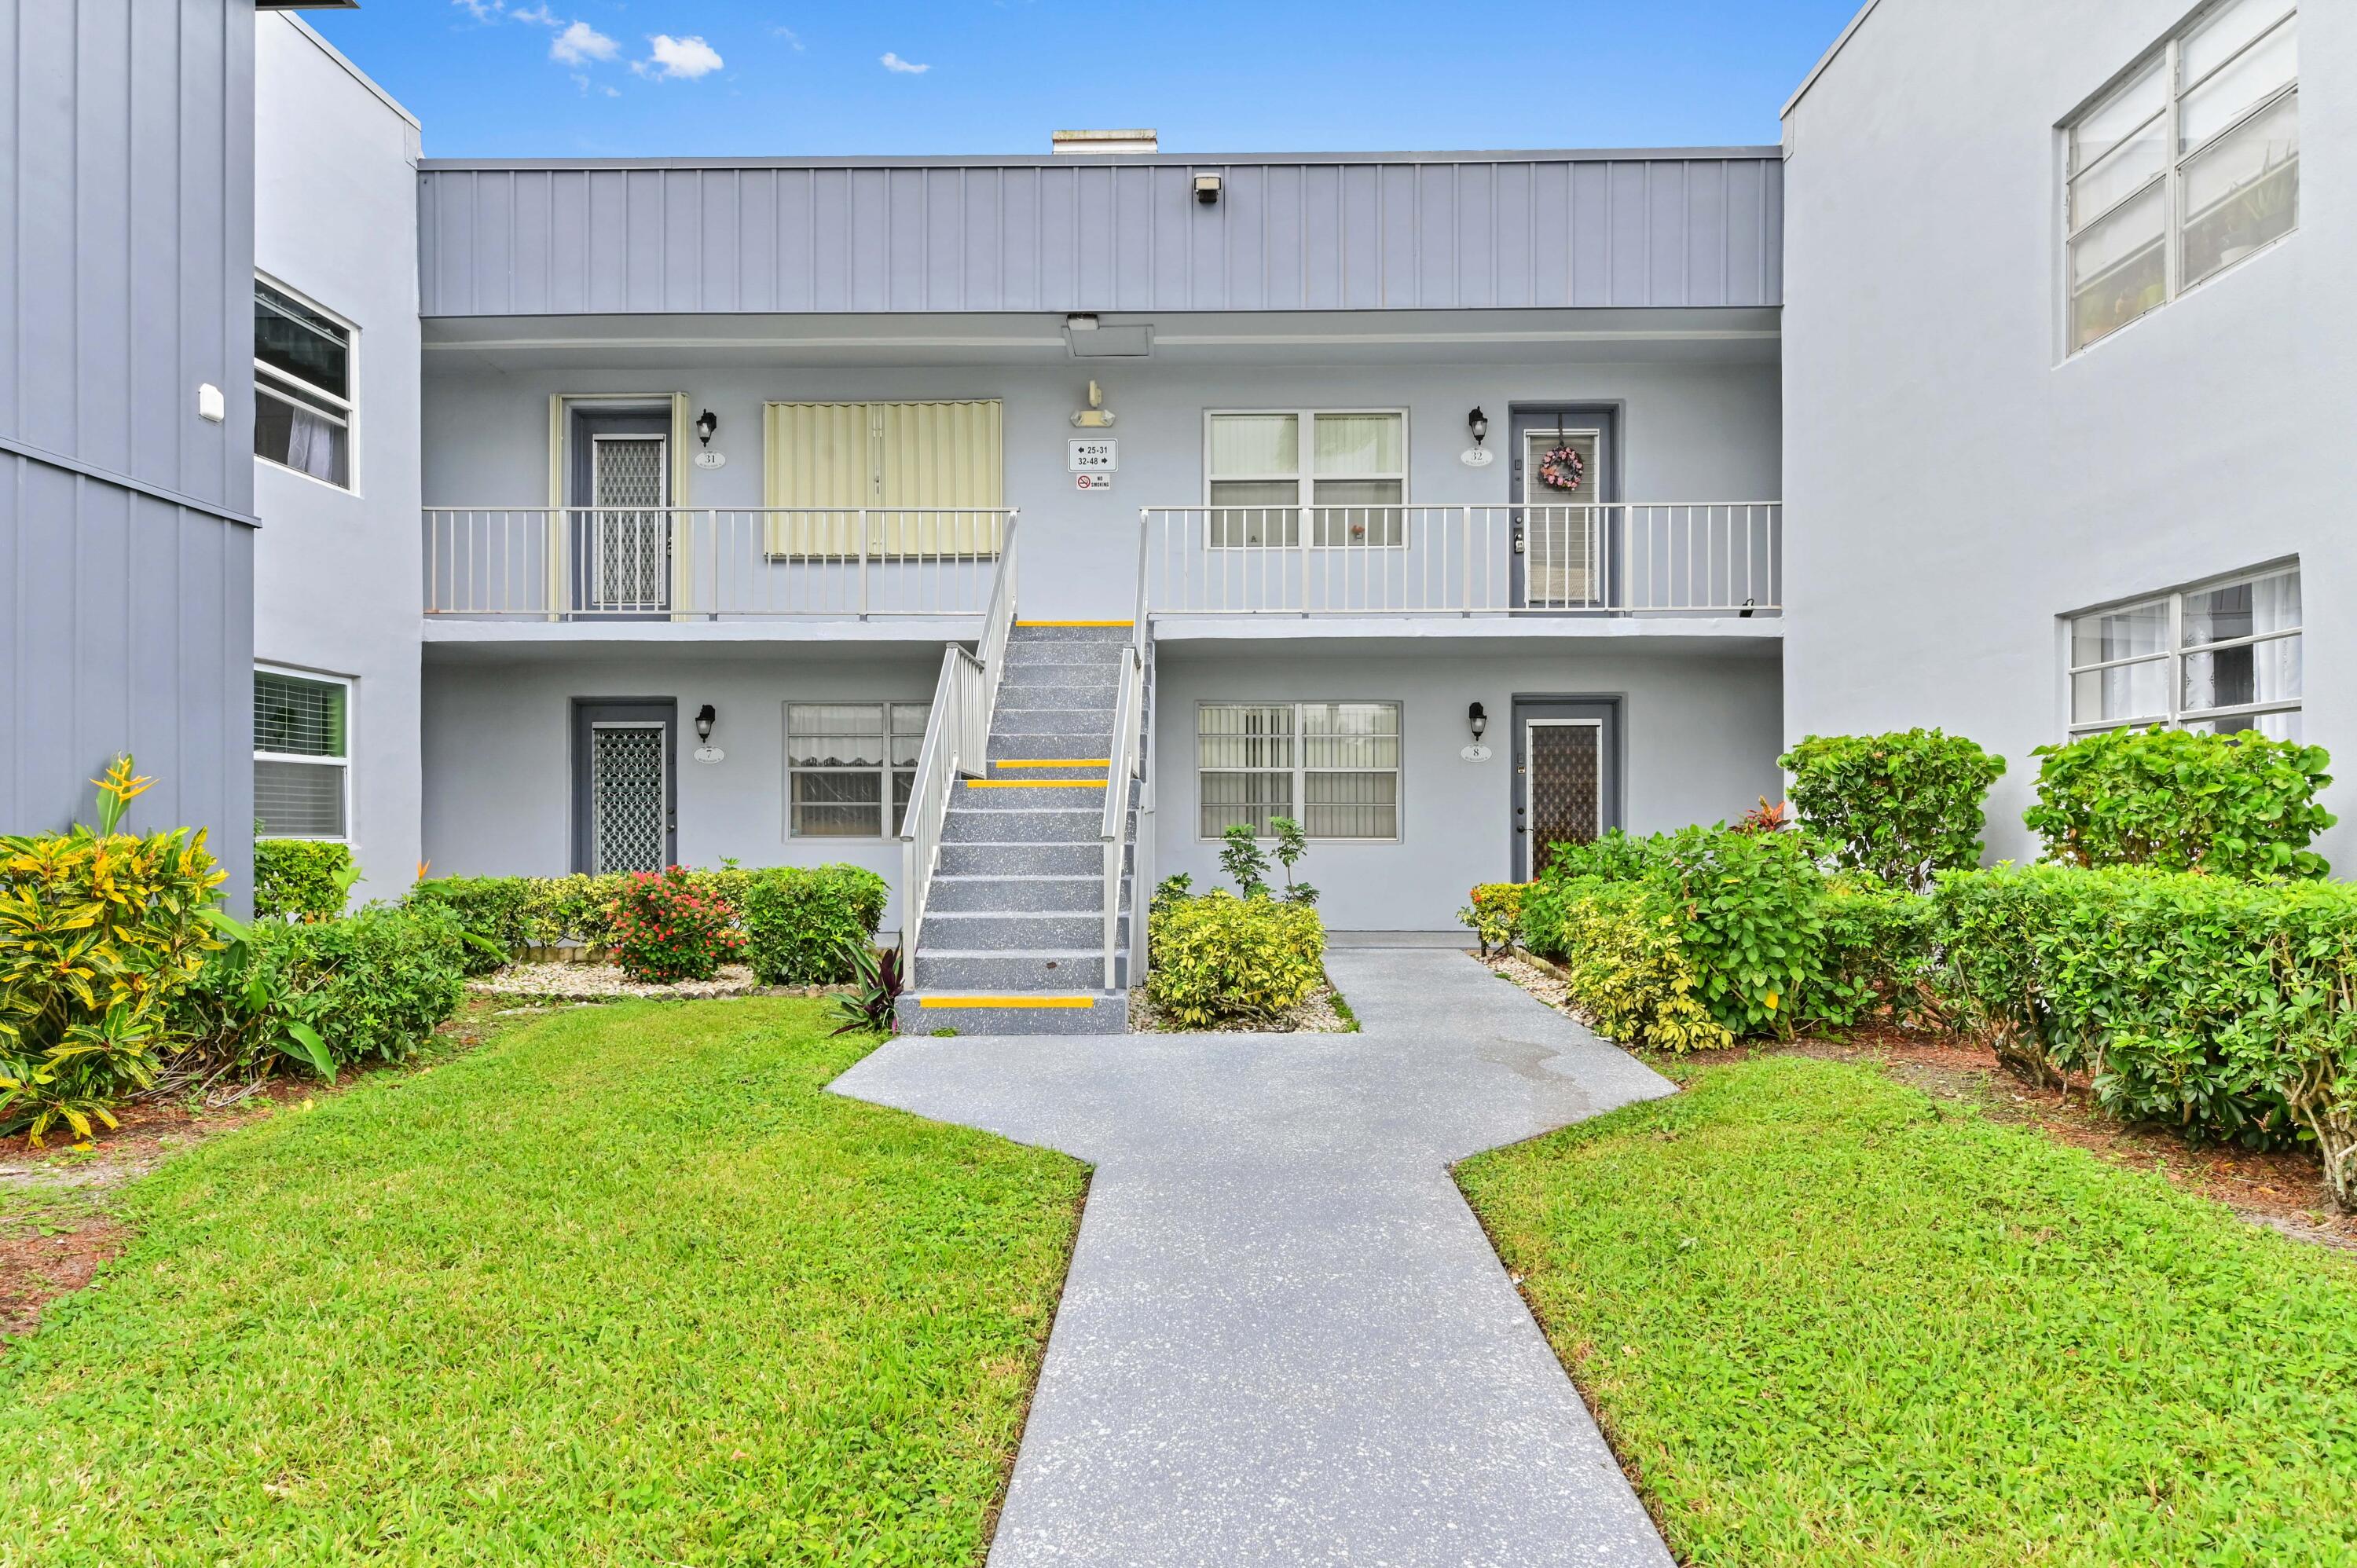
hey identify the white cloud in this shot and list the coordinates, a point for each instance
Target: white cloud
(687, 58)
(906, 67)
(540, 14)
(482, 10)
(792, 38)
(581, 43)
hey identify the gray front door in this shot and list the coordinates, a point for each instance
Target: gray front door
(1563, 524)
(1567, 776)
(625, 785)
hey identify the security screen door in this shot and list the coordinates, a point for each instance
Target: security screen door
(620, 487)
(1565, 779)
(624, 776)
(1562, 537)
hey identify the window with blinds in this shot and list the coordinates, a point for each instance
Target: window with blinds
(845, 761)
(928, 477)
(301, 755)
(1332, 766)
(1348, 477)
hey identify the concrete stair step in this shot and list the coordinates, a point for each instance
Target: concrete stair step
(1034, 631)
(1086, 860)
(1016, 794)
(1065, 970)
(966, 824)
(1006, 749)
(1007, 930)
(1026, 892)
(1049, 770)
(1014, 1013)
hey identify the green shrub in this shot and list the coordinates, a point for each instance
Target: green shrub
(667, 929)
(1876, 953)
(2240, 805)
(581, 906)
(1899, 806)
(1752, 932)
(1220, 958)
(803, 923)
(495, 912)
(325, 994)
(1616, 857)
(2223, 1007)
(98, 930)
(1495, 914)
(302, 879)
(1621, 942)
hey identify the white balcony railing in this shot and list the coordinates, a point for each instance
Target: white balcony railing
(694, 563)
(1596, 557)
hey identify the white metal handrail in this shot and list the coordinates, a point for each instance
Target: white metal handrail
(956, 744)
(1122, 765)
(698, 563)
(1413, 558)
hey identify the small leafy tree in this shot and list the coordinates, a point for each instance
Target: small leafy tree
(1899, 806)
(1245, 861)
(2238, 805)
(1292, 843)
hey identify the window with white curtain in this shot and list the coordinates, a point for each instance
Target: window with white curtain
(2188, 166)
(1332, 766)
(1349, 475)
(302, 756)
(302, 387)
(2222, 656)
(845, 761)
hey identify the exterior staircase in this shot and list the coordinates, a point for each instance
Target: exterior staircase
(1012, 940)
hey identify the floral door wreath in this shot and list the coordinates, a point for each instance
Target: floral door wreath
(1562, 469)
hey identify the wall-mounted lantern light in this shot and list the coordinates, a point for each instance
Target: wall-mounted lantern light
(1476, 720)
(1476, 456)
(706, 717)
(707, 424)
(1479, 424)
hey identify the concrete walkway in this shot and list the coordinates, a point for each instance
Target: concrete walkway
(1286, 1339)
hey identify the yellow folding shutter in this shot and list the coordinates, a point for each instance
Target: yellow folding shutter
(938, 454)
(821, 456)
(885, 457)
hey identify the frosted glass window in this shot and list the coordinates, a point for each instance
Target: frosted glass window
(1354, 481)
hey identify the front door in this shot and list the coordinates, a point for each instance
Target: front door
(625, 785)
(1564, 474)
(1567, 776)
(621, 490)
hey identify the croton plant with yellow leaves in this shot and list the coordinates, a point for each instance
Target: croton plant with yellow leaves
(99, 929)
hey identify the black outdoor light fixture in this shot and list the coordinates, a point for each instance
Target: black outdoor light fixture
(1476, 719)
(1479, 424)
(707, 424)
(705, 715)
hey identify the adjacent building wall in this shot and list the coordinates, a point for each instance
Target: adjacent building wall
(1689, 432)
(1952, 481)
(1698, 743)
(125, 539)
(336, 570)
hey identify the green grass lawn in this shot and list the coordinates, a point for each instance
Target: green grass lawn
(623, 1287)
(1826, 1321)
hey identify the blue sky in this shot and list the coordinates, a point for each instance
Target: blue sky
(585, 78)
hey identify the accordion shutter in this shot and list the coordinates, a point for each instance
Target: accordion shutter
(883, 456)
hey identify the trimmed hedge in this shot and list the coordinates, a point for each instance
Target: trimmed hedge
(495, 911)
(803, 923)
(301, 879)
(1620, 944)
(1899, 806)
(1495, 914)
(2225, 1008)
(1220, 958)
(2240, 805)
(372, 987)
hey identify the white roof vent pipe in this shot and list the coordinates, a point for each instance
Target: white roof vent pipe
(1085, 143)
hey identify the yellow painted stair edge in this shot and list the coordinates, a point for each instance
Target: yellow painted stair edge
(1075, 623)
(1006, 1001)
(1035, 783)
(1056, 762)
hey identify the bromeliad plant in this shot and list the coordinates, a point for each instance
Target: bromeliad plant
(99, 930)
(667, 928)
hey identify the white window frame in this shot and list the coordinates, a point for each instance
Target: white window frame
(885, 770)
(1305, 477)
(345, 410)
(2171, 175)
(352, 745)
(2173, 654)
(1300, 769)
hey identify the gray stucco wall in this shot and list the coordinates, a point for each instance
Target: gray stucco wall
(126, 568)
(1699, 743)
(335, 571)
(1689, 432)
(1464, 231)
(1952, 482)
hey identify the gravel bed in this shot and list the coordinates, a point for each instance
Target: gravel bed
(1315, 1013)
(606, 983)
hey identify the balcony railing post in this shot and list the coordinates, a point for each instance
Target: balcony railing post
(863, 563)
